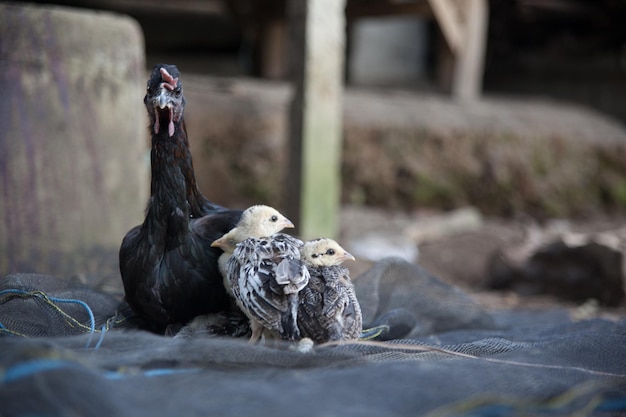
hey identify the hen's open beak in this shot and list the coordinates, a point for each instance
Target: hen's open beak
(162, 100)
(164, 111)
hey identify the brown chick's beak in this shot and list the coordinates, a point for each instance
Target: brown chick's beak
(348, 257)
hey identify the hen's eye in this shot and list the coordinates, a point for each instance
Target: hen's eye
(178, 90)
(330, 252)
(274, 218)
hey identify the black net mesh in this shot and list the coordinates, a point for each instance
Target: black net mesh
(445, 357)
(40, 305)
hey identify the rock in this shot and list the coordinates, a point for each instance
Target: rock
(398, 235)
(572, 266)
(463, 219)
(376, 247)
(414, 303)
(462, 258)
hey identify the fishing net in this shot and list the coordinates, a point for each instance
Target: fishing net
(71, 350)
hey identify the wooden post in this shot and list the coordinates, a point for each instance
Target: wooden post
(316, 51)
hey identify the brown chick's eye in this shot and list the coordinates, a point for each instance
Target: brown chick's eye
(274, 219)
(330, 252)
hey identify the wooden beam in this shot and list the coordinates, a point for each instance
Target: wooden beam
(464, 27)
(470, 57)
(449, 19)
(357, 9)
(317, 44)
(212, 7)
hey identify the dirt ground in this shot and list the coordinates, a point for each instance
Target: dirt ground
(461, 257)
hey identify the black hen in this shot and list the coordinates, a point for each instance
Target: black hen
(168, 266)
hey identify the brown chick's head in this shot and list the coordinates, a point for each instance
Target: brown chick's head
(256, 221)
(324, 252)
(164, 99)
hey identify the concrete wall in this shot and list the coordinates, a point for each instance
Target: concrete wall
(73, 139)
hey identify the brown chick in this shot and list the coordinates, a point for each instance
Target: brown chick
(328, 308)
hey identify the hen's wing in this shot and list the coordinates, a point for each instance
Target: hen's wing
(175, 284)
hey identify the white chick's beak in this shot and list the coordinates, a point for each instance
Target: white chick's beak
(287, 224)
(347, 256)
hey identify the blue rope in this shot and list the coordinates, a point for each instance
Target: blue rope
(151, 373)
(498, 410)
(40, 294)
(33, 367)
(26, 369)
(165, 371)
(101, 338)
(613, 404)
(92, 319)
(13, 291)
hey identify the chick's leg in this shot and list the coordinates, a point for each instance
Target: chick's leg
(257, 331)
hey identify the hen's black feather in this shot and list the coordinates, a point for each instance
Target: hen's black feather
(168, 266)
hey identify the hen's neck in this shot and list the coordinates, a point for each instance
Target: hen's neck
(198, 204)
(169, 211)
(195, 198)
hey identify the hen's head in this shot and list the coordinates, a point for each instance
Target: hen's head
(256, 221)
(324, 252)
(164, 99)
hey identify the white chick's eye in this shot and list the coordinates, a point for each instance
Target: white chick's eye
(330, 252)
(274, 219)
